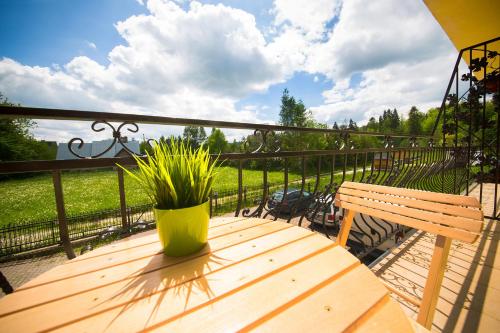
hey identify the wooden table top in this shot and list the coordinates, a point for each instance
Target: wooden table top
(254, 274)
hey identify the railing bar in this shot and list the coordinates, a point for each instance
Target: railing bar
(469, 135)
(355, 167)
(123, 203)
(442, 109)
(497, 171)
(65, 114)
(240, 187)
(483, 124)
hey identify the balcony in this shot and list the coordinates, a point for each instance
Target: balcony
(457, 160)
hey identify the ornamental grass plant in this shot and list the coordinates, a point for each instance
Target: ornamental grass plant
(175, 175)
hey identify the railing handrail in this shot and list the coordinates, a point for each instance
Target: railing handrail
(65, 114)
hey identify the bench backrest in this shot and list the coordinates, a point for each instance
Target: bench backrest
(455, 216)
(448, 216)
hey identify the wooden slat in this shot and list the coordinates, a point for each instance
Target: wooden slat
(335, 307)
(114, 257)
(457, 222)
(453, 210)
(412, 222)
(385, 320)
(30, 297)
(171, 291)
(460, 200)
(268, 299)
(144, 238)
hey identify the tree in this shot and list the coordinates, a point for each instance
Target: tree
(394, 120)
(196, 135)
(372, 125)
(352, 125)
(217, 141)
(17, 142)
(293, 113)
(415, 118)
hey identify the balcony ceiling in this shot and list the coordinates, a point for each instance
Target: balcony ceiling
(468, 22)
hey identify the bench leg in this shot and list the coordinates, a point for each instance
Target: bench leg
(434, 280)
(345, 228)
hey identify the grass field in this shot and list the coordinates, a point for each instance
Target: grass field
(32, 199)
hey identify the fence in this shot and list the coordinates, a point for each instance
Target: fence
(22, 237)
(33, 235)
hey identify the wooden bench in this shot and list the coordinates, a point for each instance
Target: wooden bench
(446, 215)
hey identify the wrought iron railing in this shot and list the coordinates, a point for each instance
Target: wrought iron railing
(395, 160)
(321, 171)
(465, 125)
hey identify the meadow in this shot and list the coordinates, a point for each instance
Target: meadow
(32, 199)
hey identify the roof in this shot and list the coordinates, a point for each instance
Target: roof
(95, 148)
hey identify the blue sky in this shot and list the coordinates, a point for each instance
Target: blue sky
(226, 60)
(46, 32)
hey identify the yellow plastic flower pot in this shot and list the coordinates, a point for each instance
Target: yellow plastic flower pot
(183, 231)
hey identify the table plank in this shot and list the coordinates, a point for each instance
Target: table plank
(389, 317)
(170, 282)
(104, 276)
(144, 238)
(337, 306)
(255, 274)
(138, 249)
(273, 278)
(240, 311)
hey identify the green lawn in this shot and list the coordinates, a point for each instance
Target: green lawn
(32, 199)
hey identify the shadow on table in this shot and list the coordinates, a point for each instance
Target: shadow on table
(183, 276)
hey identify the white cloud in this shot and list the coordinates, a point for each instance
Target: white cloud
(308, 16)
(397, 48)
(422, 84)
(374, 34)
(193, 63)
(197, 63)
(91, 45)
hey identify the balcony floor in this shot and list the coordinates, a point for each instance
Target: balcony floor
(470, 295)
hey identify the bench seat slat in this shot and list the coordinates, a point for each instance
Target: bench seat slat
(447, 220)
(417, 194)
(453, 210)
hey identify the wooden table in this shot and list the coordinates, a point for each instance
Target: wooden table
(254, 274)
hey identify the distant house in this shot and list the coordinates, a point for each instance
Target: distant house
(382, 161)
(97, 147)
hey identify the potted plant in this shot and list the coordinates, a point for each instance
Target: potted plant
(178, 179)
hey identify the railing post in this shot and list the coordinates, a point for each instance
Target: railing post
(61, 214)
(123, 203)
